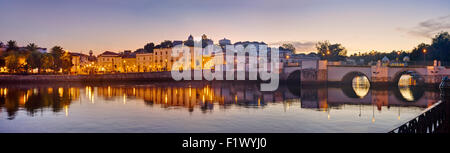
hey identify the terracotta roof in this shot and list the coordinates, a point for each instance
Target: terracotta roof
(127, 55)
(77, 54)
(109, 53)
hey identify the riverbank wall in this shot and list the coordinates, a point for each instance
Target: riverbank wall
(155, 77)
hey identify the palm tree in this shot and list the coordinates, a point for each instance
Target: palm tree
(47, 61)
(12, 45)
(32, 47)
(57, 52)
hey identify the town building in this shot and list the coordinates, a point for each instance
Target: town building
(145, 62)
(224, 42)
(82, 63)
(128, 60)
(109, 62)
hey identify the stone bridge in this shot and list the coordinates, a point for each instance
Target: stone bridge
(321, 71)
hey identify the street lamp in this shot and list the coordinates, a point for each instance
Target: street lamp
(424, 56)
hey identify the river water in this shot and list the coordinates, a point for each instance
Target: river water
(207, 107)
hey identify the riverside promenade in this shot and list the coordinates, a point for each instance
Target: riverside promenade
(150, 76)
(116, 77)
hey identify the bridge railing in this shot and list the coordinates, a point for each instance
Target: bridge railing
(427, 122)
(433, 119)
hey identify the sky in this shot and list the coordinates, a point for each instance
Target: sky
(117, 25)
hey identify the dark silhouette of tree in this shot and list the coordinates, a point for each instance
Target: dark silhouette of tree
(166, 44)
(332, 52)
(417, 53)
(32, 47)
(47, 61)
(440, 47)
(34, 60)
(288, 47)
(12, 46)
(57, 52)
(374, 56)
(12, 62)
(149, 47)
(438, 50)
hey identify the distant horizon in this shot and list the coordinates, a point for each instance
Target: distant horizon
(114, 25)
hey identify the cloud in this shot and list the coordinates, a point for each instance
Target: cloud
(429, 27)
(300, 47)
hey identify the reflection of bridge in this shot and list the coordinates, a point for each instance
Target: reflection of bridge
(206, 94)
(312, 71)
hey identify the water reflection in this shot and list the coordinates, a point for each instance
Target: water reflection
(35, 100)
(205, 96)
(407, 86)
(361, 86)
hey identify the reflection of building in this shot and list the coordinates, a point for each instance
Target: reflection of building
(205, 96)
(33, 100)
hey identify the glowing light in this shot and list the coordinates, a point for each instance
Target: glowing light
(60, 92)
(404, 84)
(165, 99)
(361, 86)
(66, 108)
(124, 98)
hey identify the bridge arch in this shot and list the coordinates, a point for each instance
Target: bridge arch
(409, 94)
(416, 75)
(294, 78)
(348, 78)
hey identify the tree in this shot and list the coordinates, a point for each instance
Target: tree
(57, 52)
(34, 60)
(2, 59)
(332, 52)
(289, 47)
(166, 44)
(66, 62)
(417, 53)
(32, 47)
(12, 62)
(47, 61)
(12, 46)
(438, 50)
(149, 47)
(440, 47)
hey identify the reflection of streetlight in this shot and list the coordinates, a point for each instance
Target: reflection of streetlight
(373, 113)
